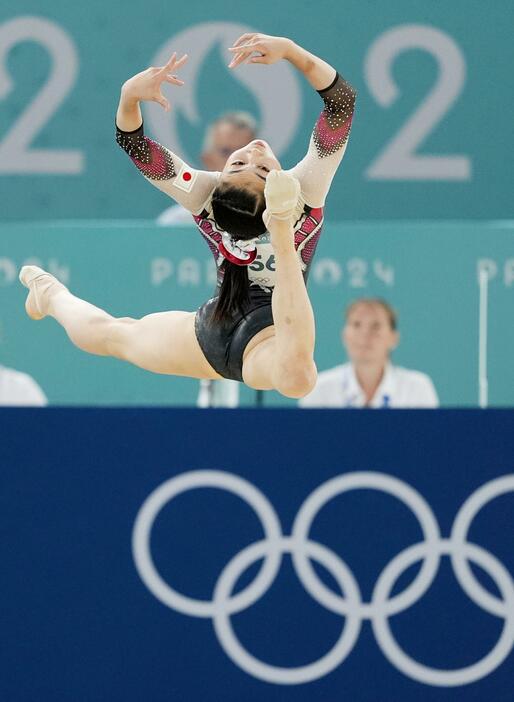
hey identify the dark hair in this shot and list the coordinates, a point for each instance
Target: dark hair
(239, 213)
(380, 302)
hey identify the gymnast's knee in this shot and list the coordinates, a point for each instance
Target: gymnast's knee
(296, 379)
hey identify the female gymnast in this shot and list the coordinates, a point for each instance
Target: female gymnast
(262, 225)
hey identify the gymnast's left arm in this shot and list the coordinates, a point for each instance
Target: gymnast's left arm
(330, 135)
(331, 132)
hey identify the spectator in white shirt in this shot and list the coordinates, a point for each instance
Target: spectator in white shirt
(369, 379)
(19, 389)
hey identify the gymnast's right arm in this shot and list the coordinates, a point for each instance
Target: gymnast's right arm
(162, 168)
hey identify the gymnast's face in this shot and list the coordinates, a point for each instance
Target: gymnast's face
(367, 334)
(249, 167)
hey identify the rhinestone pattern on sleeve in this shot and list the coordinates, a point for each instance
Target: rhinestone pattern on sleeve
(333, 126)
(152, 159)
(307, 233)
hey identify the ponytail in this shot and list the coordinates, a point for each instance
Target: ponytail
(234, 294)
(238, 212)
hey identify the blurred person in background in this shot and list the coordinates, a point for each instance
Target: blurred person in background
(18, 389)
(229, 133)
(369, 335)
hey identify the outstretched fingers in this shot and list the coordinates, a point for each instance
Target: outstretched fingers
(248, 46)
(171, 60)
(237, 60)
(243, 48)
(174, 64)
(173, 80)
(162, 101)
(166, 74)
(244, 39)
(244, 53)
(259, 59)
(181, 62)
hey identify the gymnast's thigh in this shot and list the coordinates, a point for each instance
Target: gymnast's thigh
(163, 342)
(259, 359)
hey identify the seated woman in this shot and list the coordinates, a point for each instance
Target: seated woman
(262, 225)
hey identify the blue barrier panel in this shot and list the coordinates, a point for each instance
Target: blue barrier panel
(119, 572)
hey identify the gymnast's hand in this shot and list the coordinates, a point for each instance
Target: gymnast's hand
(268, 49)
(281, 193)
(147, 84)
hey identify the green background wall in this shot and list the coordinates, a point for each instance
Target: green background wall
(59, 162)
(110, 42)
(428, 271)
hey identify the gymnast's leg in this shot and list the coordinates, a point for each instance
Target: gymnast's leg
(164, 342)
(285, 361)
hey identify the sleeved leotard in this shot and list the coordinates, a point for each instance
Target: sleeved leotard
(193, 190)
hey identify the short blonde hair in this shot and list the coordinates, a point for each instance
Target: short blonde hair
(390, 312)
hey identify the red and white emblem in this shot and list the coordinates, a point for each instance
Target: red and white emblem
(185, 179)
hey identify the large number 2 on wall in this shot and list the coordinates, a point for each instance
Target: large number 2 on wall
(398, 160)
(15, 154)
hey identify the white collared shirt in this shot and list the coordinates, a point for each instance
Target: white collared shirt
(399, 387)
(175, 216)
(19, 389)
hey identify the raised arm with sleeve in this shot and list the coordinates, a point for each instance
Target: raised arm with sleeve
(162, 168)
(327, 143)
(330, 134)
(167, 171)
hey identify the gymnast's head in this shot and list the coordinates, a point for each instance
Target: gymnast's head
(238, 200)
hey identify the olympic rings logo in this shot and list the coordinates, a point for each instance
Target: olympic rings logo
(351, 607)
